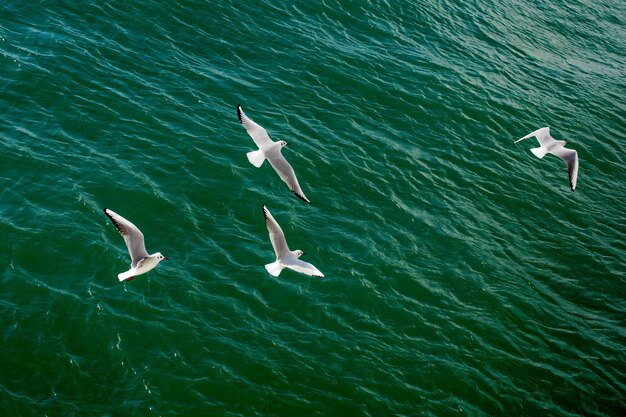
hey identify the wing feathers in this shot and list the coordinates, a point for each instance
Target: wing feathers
(277, 237)
(287, 174)
(304, 267)
(276, 159)
(132, 236)
(257, 132)
(570, 156)
(556, 147)
(542, 135)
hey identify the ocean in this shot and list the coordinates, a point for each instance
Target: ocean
(463, 277)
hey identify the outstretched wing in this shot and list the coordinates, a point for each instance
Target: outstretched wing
(570, 156)
(303, 267)
(257, 133)
(542, 135)
(277, 237)
(287, 174)
(132, 236)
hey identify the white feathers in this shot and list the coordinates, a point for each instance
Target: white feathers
(141, 262)
(270, 150)
(274, 268)
(256, 158)
(555, 147)
(285, 258)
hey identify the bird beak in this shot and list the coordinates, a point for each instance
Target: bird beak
(303, 253)
(166, 259)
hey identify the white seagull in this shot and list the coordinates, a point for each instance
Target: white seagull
(141, 262)
(285, 258)
(555, 147)
(270, 150)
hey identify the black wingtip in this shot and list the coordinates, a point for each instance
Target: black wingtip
(265, 212)
(239, 113)
(115, 223)
(306, 200)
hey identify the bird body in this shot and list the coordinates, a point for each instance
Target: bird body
(143, 266)
(555, 147)
(270, 150)
(267, 151)
(285, 257)
(140, 261)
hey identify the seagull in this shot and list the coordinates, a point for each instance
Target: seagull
(285, 258)
(270, 150)
(141, 262)
(555, 147)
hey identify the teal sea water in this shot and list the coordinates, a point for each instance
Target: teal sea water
(463, 277)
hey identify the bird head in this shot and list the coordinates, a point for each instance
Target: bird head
(299, 253)
(283, 143)
(160, 257)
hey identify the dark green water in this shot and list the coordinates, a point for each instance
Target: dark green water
(463, 277)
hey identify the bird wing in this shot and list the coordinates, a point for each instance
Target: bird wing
(303, 267)
(277, 237)
(570, 156)
(132, 236)
(287, 174)
(257, 133)
(542, 135)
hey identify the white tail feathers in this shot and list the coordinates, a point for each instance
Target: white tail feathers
(256, 158)
(274, 268)
(540, 152)
(125, 275)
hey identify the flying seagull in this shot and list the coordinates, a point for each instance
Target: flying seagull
(555, 147)
(285, 258)
(141, 262)
(270, 150)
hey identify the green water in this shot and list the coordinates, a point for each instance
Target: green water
(463, 277)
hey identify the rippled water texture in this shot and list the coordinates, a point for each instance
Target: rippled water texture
(463, 277)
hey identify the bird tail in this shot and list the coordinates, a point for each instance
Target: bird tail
(126, 275)
(540, 152)
(256, 158)
(274, 268)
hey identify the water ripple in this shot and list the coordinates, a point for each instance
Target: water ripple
(462, 275)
